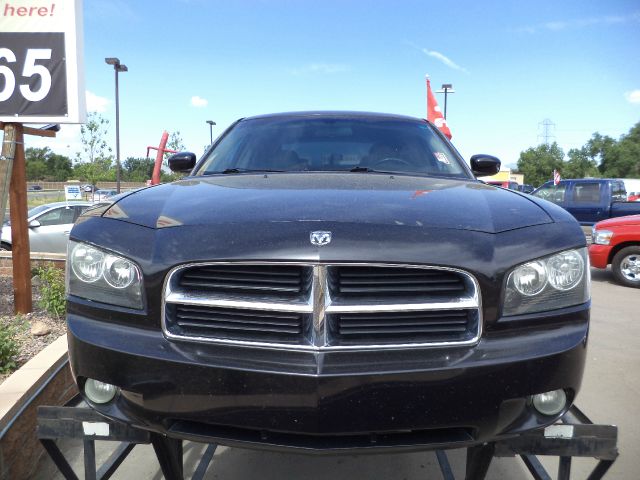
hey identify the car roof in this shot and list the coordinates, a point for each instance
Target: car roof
(334, 114)
(64, 204)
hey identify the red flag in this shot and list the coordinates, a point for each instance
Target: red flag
(556, 177)
(434, 115)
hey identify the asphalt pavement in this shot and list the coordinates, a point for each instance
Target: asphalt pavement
(609, 395)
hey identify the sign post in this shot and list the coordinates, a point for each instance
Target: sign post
(41, 81)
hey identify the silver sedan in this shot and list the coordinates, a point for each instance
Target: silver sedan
(49, 226)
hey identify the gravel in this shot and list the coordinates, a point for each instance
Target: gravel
(28, 344)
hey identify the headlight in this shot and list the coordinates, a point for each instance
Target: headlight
(601, 237)
(557, 281)
(95, 274)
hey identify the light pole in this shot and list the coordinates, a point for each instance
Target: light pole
(446, 89)
(117, 67)
(211, 124)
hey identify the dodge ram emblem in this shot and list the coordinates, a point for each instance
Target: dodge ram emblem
(320, 238)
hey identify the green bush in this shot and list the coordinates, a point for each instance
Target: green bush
(8, 350)
(52, 290)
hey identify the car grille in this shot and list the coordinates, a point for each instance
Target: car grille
(320, 307)
(274, 280)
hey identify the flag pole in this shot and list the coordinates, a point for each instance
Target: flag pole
(428, 82)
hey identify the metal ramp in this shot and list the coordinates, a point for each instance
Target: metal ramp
(574, 436)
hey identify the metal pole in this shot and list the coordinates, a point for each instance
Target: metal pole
(118, 132)
(210, 134)
(446, 90)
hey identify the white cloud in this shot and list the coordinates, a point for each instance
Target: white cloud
(633, 96)
(96, 103)
(444, 59)
(199, 102)
(576, 23)
(320, 68)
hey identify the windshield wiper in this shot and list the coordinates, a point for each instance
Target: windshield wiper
(371, 170)
(228, 171)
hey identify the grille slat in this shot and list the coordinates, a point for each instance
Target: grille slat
(420, 326)
(405, 331)
(365, 305)
(245, 328)
(375, 281)
(273, 280)
(241, 324)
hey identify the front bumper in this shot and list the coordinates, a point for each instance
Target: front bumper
(323, 402)
(599, 255)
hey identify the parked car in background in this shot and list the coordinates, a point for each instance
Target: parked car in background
(87, 188)
(616, 242)
(34, 188)
(49, 226)
(505, 184)
(103, 194)
(590, 200)
(526, 188)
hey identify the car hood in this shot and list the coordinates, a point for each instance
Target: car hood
(326, 198)
(629, 220)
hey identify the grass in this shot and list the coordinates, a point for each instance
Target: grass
(35, 201)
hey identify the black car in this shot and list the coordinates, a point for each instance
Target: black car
(329, 281)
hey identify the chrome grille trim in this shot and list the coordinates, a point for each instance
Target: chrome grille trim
(320, 305)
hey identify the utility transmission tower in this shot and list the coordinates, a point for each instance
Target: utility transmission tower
(547, 127)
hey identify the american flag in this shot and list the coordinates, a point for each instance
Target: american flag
(556, 177)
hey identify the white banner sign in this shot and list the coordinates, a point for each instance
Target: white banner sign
(72, 192)
(41, 61)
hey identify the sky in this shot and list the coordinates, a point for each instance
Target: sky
(512, 65)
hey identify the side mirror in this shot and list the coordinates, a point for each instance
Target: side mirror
(182, 162)
(34, 224)
(484, 165)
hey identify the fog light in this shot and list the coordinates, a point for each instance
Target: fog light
(550, 403)
(99, 392)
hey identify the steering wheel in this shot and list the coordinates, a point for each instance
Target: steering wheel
(392, 161)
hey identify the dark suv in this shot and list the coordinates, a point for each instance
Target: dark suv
(329, 281)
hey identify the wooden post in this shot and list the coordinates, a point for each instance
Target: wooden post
(6, 163)
(20, 250)
(13, 163)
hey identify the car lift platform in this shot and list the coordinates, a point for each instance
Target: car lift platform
(573, 436)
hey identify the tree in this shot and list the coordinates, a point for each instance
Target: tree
(616, 159)
(625, 161)
(176, 143)
(43, 164)
(580, 164)
(95, 160)
(537, 164)
(36, 162)
(137, 169)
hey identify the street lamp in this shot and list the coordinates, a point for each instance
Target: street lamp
(117, 67)
(211, 124)
(446, 89)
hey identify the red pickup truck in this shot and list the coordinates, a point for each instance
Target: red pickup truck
(617, 242)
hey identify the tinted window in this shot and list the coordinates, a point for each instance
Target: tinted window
(618, 192)
(586, 192)
(551, 192)
(58, 216)
(333, 144)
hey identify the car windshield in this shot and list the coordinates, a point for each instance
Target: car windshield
(356, 144)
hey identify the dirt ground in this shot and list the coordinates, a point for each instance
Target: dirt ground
(24, 326)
